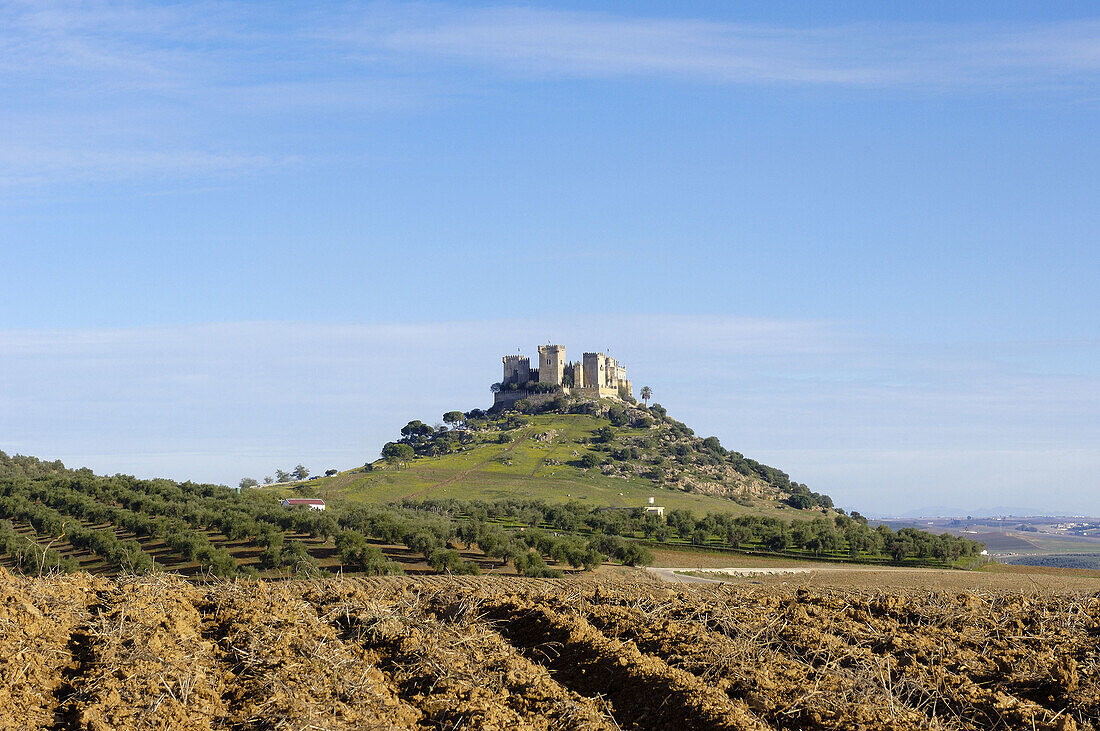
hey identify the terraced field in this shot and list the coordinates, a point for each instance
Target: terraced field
(85, 652)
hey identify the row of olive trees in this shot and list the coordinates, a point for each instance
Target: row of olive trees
(128, 555)
(29, 557)
(821, 535)
(112, 507)
(178, 513)
(424, 533)
(57, 502)
(604, 529)
(433, 533)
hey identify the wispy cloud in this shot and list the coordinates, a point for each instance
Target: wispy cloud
(129, 90)
(525, 41)
(39, 166)
(874, 422)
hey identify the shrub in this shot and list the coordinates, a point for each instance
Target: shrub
(636, 555)
(711, 444)
(618, 416)
(603, 435)
(450, 561)
(530, 563)
(590, 460)
(357, 553)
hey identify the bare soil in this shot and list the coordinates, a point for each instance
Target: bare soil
(858, 649)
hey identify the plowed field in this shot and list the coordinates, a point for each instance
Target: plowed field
(80, 652)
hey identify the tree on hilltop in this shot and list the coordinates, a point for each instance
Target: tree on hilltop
(397, 454)
(647, 394)
(247, 482)
(300, 473)
(416, 431)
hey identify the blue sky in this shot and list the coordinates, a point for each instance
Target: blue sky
(857, 241)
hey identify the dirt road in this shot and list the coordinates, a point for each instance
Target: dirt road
(880, 577)
(692, 576)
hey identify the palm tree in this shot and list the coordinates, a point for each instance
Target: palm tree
(647, 394)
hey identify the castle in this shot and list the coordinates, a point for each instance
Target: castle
(597, 375)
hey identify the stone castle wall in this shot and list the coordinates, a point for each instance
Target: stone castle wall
(597, 375)
(575, 372)
(517, 369)
(551, 364)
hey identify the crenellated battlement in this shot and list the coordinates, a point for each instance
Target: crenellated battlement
(517, 369)
(597, 375)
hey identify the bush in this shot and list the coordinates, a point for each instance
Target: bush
(530, 563)
(296, 556)
(590, 460)
(357, 553)
(625, 552)
(800, 502)
(450, 561)
(618, 416)
(635, 554)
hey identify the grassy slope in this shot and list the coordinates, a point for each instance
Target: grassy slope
(480, 471)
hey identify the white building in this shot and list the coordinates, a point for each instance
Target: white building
(304, 502)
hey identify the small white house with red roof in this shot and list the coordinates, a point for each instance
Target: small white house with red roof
(304, 502)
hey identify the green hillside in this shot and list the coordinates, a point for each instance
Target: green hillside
(518, 493)
(605, 453)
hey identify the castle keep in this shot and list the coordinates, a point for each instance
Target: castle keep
(597, 375)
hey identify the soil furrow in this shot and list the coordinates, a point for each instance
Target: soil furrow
(79, 652)
(935, 656)
(144, 663)
(644, 691)
(40, 647)
(456, 670)
(291, 670)
(784, 691)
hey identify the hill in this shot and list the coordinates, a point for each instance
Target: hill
(561, 449)
(53, 518)
(551, 478)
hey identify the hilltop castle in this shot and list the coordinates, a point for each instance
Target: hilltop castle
(597, 375)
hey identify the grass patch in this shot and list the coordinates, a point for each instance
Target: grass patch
(525, 468)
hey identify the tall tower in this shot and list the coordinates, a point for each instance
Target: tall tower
(551, 364)
(595, 370)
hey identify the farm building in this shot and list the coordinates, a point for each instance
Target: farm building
(649, 509)
(304, 502)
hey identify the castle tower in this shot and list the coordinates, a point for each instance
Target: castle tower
(595, 370)
(517, 369)
(551, 364)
